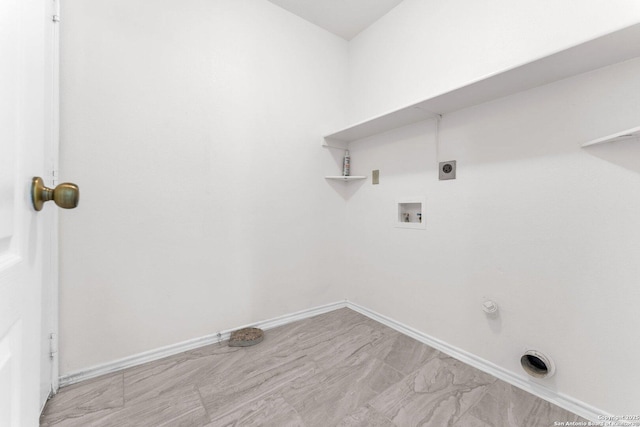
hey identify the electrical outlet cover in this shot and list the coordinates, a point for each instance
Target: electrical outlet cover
(447, 170)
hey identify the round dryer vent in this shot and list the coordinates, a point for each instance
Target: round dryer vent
(537, 364)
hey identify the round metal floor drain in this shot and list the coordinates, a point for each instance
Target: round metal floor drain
(246, 337)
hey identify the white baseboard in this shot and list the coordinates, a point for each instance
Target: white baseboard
(567, 402)
(170, 350)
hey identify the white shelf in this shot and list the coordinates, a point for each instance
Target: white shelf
(346, 178)
(619, 136)
(597, 53)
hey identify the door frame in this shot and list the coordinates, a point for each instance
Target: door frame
(50, 288)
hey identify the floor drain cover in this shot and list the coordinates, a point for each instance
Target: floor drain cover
(246, 337)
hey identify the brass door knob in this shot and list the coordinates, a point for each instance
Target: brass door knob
(65, 195)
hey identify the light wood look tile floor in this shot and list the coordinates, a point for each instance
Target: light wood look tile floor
(336, 369)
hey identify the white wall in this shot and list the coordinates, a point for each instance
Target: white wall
(547, 229)
(423, 48)
(193, 130)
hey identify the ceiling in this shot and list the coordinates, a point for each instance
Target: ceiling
(344, 18)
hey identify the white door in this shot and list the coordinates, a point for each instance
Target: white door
(24, 132)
